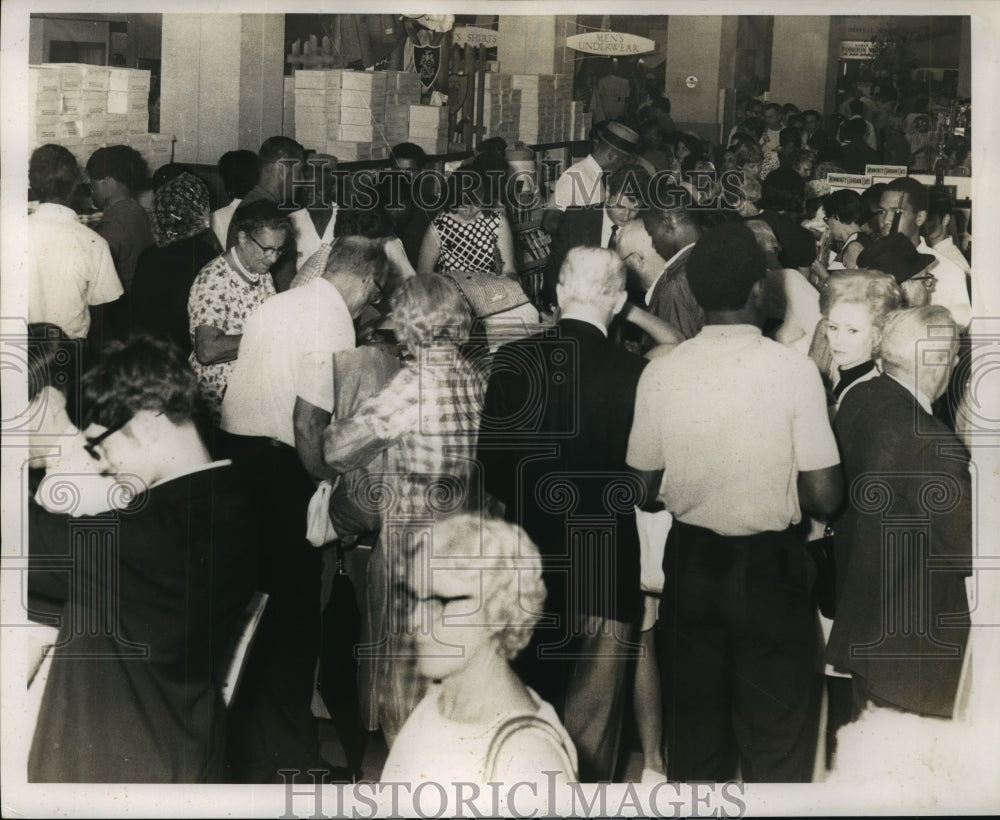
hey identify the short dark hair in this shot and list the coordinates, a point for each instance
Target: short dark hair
(812, 112)
(916, 191)
(847, 206)
(261, 213)
(274, 149)
(660, 223)
(856, 107)
(783, 190)
(789, 108)
(409, 150)
(240, 171)
(772, 106)
(141, 373)
(853, 130)
(789, 136)
(754, 126)
(660, 104)
(632, 177)
(939, 202)
(53, 173)
(724, 265)
(120, 162)
(367, 222)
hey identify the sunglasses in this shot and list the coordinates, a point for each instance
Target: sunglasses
(266, 249)
(92, 443)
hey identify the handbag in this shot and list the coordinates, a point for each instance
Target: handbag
(821, 552)
(520, 723)
(653, 529)
(488, 293)
(319, 527)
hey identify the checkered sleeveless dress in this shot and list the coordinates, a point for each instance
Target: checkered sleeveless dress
(468, 246)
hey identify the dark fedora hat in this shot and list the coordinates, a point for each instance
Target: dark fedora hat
(895, 255)
(617, 135)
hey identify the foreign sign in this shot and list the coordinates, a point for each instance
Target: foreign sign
(885, 170)
(857, 50)
(610, 43)
(475, 36)
(838, 181)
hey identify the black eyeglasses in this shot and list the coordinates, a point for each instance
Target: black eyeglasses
(91, 443)
(267, 248)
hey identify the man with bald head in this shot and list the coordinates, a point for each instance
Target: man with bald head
(656, 248)
(905, 538)
(570, 441)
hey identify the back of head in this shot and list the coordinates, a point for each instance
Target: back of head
(875, 289)
(856, 107)
(591, 276)
(853, 130)
(120, 162)
(939, 203)
(429, 309)
(408, 154)
(724, 266)
(660, 104)
(53, 173)
(847, 206)
(755, 126)
(167, 172)
(180, 209)
(276, 149)
(783, 190)
(663, 224)
(142, 373)
(631, 180)
(357, 256)
(368, 222)
(789, 137)
(907, 332)
(261, 213)
(916, 191)
(239, 171)
(789, 108)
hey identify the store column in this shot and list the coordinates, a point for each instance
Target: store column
(800, 61)
(222, 82)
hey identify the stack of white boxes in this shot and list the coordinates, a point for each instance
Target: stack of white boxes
(428, 128)
(341, 112)
(402, 93)
(538, 97)
(501, 107)
(85, 107)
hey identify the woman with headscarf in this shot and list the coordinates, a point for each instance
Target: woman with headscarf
(183, 245)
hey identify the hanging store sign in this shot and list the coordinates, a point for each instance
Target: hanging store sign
(857, 50)
(886, 171)
(610, 43)
(475, 36)
(856, 181)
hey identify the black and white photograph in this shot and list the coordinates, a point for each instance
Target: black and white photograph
(499, 411)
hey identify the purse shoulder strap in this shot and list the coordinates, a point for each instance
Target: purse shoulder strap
(520, 723)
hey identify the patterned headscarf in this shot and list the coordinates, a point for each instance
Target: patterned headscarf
(180, 209)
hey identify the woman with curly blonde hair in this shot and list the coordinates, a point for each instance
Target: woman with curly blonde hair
(428, 414)
(474, 593)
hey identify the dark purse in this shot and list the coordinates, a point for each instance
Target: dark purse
(821, 552)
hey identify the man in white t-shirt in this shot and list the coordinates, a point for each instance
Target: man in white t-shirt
(731, 435)
(71, 273)
(278, 401)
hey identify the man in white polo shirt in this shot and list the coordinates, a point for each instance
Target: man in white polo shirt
(731, 433)
(279, 400)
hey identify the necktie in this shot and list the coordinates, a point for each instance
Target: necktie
(612, 239)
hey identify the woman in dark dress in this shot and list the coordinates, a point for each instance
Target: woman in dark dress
(184, 244)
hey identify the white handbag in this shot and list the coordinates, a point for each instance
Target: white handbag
(653, 529)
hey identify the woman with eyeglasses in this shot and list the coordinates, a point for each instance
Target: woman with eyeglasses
(228, 290)
(428, 414)
(472, 597)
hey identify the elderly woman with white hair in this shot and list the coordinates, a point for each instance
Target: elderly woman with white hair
(473, 595)
(429, 413)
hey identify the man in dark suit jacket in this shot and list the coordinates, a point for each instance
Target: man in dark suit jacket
(596, 226)
(904, 544)
(553, 435)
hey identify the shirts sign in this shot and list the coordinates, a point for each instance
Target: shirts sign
(610, 43)
(857, 50)
(475, 36)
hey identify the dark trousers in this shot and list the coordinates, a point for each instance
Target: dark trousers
(738, 646)
(271, 721)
